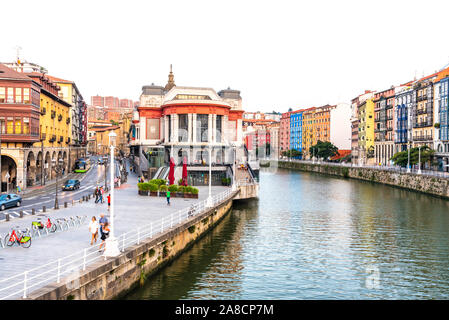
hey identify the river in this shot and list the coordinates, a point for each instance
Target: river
(311, 236)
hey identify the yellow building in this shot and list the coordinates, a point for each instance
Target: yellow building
(366, 131)
(315, 127)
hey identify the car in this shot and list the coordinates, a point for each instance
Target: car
(71, 184)
(10, 200)
(100, 161)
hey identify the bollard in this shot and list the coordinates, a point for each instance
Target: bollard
(7, 216)
(21, 214)
(33, 211)
(65, 204)
(44, 209)
(87, 198)
(73, 202)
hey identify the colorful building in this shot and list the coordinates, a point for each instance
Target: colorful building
(296, 130)
(366, 132)
(384, 102)
(284, 132)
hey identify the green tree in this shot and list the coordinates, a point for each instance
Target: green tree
(292, 153)
(401, 158)
(323, 149)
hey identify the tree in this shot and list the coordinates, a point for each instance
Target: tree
(292, 153)
(323, 149)
(401, 158)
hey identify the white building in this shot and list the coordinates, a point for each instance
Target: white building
(340, 126)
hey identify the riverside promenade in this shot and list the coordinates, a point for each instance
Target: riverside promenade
(131, 212)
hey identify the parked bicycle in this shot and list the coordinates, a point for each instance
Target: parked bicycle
(21, 237)
(50, 225)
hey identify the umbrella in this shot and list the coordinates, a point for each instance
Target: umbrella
(184, 172)
(171, 174)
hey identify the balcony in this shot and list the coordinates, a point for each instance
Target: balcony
(53, 114)
(389, 106)
(53, 138)
(43, 136)
(61, 139)
(44, 111)
(423, 138)
(68, 140)
(60, 117)
(67, 120)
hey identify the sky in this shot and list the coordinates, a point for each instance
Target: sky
(279, 54)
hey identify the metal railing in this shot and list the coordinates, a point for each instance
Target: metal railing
(69, 266)
(398, 169)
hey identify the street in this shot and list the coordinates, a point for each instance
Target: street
(45, 196)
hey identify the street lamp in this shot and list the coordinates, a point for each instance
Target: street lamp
(234, 185)
(408, 159)
(419, 159)
(111, 249)
(209, 202)
(58, 169)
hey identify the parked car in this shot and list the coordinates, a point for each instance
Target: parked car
(10, 200)
(100, 161)
(71, 184)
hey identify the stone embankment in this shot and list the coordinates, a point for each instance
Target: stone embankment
(422, 183)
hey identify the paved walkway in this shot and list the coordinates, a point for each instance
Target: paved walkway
(131, 211)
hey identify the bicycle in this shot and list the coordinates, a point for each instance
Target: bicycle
(50, 225)
(22, 237)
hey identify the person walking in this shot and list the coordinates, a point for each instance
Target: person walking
(96, 195)
(109, 201)
(102, 222)
(104, 235)
(168, 197)
(101, 195)
(93, 228)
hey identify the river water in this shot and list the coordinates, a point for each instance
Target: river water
(311, 236)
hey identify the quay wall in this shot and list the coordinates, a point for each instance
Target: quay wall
(114, 277)
(411, 181)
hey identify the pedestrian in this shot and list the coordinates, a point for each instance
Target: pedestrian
(93, 228)
(101, 194)
(96, 195)
(102, 221)
(109, 201)
(104, 235)
(168, 197)
(18, 189)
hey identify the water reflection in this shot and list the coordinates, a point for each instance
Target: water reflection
(316, 237)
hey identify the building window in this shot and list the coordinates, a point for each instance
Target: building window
(10, 125)
(26, 125)
(26, 95)
(10, 96)
(152, 129)
(18, 95)
(2, 95)
(183, 127)
(201, 127)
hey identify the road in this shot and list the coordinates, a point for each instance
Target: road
(46, 196)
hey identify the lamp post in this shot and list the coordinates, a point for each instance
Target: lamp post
(57, 165)
(419, 159)
(209, 202)
(408, 158)
(234, 185)
(111, 249)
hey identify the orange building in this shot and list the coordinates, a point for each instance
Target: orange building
(315, 127)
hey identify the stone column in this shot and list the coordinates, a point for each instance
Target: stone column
(209, 128)
(175, 127)
(194, 128)
(166, 124)
(214, 128)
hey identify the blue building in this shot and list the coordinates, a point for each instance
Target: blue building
(403, 120)
(296, 130)
(443, 111)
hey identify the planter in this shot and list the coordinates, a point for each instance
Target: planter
(179, 194)
(194, 196)
(162, 194)
(143, 193)
(153, 193)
